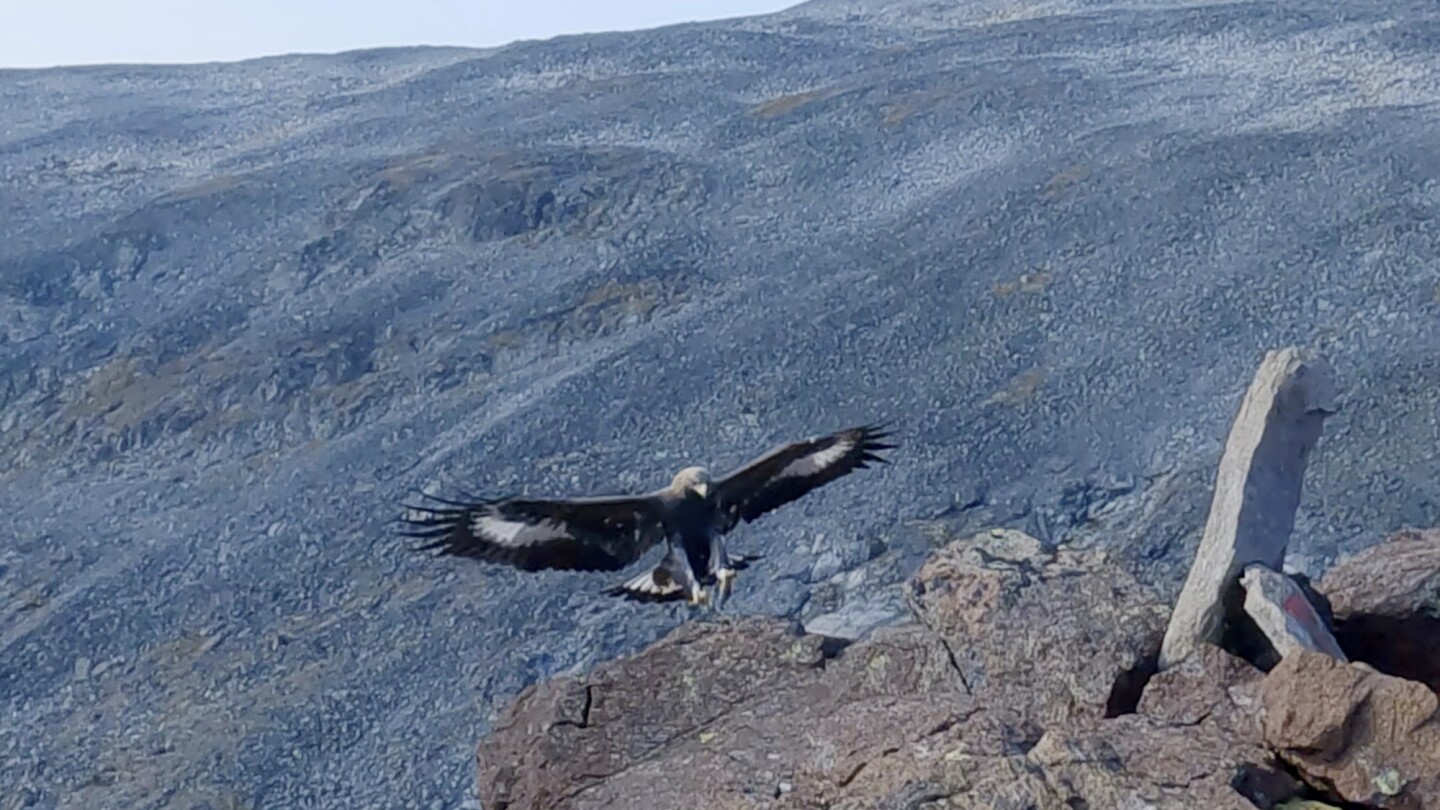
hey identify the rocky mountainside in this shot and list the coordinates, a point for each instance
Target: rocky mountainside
(244, 308)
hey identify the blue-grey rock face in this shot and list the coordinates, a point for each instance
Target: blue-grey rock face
(244, 309)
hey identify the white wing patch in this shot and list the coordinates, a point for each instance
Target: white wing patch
(516, 533)
(815, 462)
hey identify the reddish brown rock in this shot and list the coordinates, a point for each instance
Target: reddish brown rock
(754, 715)
(1056, 709)
(1210, 684)
(750, 712)
(1398, 577)
(1138, 761)
(562, 738)
(1049, 634)
(1368, 737)
(1386, 603)
(1193, 742)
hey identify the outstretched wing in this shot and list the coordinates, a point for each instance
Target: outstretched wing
(790, 471)
(585, 534)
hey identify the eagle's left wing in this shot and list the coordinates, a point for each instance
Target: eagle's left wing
(603, 533)
(792, 470)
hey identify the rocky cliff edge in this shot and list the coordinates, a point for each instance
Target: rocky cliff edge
(1026, 680)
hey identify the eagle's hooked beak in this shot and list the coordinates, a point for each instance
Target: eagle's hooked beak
(703, 490)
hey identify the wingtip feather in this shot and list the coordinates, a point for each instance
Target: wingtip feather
(874, 432)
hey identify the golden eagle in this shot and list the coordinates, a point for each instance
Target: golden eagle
(607, 533)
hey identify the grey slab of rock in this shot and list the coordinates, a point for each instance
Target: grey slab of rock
(1284, 615)
(1257, 490)
(857, 620)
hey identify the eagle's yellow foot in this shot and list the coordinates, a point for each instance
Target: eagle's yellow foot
(699, 596)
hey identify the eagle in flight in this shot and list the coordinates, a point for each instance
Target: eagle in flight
(608, 533)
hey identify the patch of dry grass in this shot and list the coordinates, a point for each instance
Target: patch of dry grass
(790, 102)
(1035, 282)
(899, 111)
(1020, 389)
(1064, 181)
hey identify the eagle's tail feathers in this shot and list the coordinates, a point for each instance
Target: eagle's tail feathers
(740, 562)
(646, 587)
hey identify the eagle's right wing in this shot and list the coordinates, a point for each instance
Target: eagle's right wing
(587, 534)
(791, 470)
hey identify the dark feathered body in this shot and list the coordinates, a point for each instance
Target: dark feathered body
(692, 526)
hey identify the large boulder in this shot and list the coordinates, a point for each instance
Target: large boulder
(1192, 743)
(1050, 633)
(1362, 735)
(1386, 604)
(749, 712)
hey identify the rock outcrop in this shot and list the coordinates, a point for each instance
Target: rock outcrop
(1026, 680)
(1365, 736)
(1386, 603)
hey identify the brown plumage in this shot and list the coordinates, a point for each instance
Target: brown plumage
(607, 533)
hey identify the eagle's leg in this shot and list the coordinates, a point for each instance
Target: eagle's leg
(695, 590)
(724, 581)
(721, 568)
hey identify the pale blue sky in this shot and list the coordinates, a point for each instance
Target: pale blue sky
(43, 33)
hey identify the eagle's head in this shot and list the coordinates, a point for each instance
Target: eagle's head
(692, 479)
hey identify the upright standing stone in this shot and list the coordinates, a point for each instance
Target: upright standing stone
(1257, 490)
